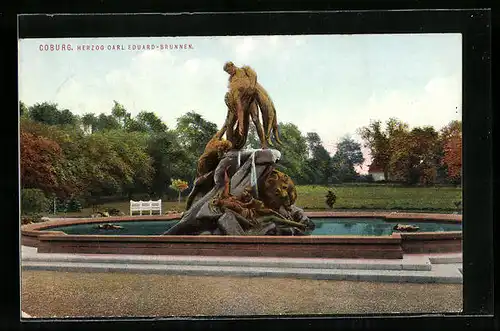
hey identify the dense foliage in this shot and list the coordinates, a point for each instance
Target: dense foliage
(33, 201)
(417, 156)
(90, 157)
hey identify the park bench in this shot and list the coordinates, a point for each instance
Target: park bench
(144, 206)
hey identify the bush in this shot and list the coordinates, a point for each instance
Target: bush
(33, 218)
(66, 205)
(73, 205)
(113, 212)
(331, 198)
(33, 201)
(364, 179)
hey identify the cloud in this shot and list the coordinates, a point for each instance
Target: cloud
(435, 104)
(257, 48)
(153, 80)
(333, 97)
(441, 98)
(245, 48)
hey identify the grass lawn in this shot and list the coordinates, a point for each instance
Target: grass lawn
(381, 197)
(352, 197)
(123, 206)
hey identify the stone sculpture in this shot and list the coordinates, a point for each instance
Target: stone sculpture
(244, 99)
(237, 191)
(108, 226)
(405, 228)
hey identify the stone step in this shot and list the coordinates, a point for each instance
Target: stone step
(438, 274)
(421, 263)
(446, 258)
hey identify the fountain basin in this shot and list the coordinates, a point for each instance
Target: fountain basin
(47, 237)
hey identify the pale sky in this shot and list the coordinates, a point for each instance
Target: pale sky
(329, 84)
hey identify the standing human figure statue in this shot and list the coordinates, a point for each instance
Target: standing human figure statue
(244, 99)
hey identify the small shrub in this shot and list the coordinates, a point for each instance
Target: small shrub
(331, 198)
(114, 212)
(33, 201)
(73, 205)
(32, 218)
(60, 206)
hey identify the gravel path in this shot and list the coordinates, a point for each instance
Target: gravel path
(68, 294)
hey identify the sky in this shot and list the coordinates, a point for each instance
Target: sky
(329, 84)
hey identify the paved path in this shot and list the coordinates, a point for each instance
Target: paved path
(54, 294)
(441, 268)
(100, 285)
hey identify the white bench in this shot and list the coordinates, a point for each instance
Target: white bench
(140, 206)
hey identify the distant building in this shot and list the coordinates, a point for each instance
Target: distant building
(377, 172)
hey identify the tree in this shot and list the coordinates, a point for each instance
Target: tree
(120, 113)
(347, 156)
(133, 125)
(342, 169)
(451, 140)
(194, 132)
(122, 159)
(145, 122)
(44, 113)
(453, 158)
(350, 150)
(384, 144)
(69, 163)
(169, 160)
(180, 186)
(49, 113)
(89, 122)
(320, 167)
(33, 201)
(38, 160)
(111, 162)
(23, 109)
(378, 143)
(427, 151)
(67, 118)
(107, 122)
(415, 155)
(152, 122)
(454, 128)
(293, 152)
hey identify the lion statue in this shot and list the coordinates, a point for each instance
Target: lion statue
(278, 191)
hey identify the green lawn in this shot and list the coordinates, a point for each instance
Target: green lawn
(123, 206)
(381, 197)
(369, 197)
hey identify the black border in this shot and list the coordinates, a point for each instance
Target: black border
(475, 26)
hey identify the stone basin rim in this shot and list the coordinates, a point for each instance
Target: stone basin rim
(320, 246)
(35, 229)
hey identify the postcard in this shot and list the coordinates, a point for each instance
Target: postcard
(241, 175)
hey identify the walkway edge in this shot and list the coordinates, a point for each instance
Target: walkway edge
(439, 275)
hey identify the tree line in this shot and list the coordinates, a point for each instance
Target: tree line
(421, 155)
(95, 156)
